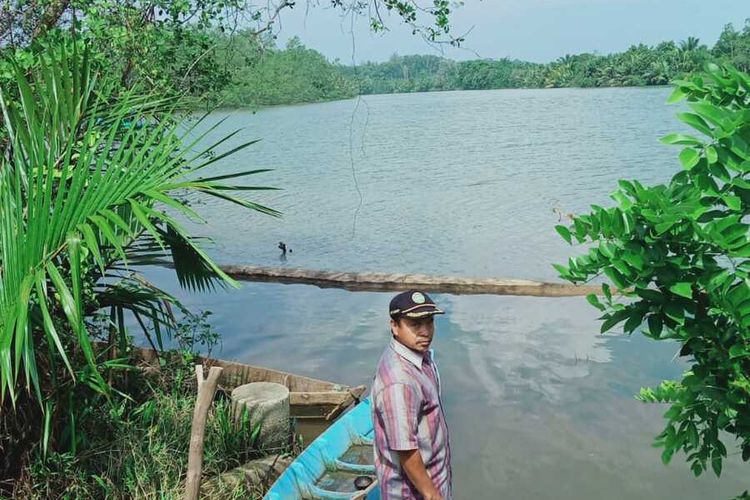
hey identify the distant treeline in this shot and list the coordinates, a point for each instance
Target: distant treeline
(298, 74)
(269, 76)
(640, 65)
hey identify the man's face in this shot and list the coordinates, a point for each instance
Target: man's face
(414, 333)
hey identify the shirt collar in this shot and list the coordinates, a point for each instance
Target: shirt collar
(412, 356)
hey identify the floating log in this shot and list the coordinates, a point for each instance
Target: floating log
(387, 282)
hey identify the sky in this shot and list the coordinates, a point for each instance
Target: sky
(531, 30)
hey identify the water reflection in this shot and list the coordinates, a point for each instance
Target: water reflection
(526, 346)
(539, 405)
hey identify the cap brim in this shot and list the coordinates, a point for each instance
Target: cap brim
(424, 313)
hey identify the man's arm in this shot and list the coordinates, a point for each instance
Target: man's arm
(411, 463)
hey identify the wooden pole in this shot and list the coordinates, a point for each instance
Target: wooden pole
(206, 391)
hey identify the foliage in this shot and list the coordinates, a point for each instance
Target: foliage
(171, 45)
(637, 66)
(139, 448)
(680, 256)
(293, 75)
(302, 75)
(83, 181)
(92, 179)
(194, 331)
(734, 47)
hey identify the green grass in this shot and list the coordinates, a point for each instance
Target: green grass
(140, 449)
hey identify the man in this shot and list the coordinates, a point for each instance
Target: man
(412, 455)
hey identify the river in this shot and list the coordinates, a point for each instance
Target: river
(539, 405)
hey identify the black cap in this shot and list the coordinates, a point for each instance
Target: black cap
(412, 304)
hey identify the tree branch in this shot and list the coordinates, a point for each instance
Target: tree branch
(271, 20)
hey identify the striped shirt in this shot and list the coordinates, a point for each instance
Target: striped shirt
(407, 415)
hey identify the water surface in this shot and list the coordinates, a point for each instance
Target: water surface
(469, 183)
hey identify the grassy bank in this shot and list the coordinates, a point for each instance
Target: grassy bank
(138, 446)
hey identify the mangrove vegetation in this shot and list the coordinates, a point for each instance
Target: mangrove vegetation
(262, 74)
(216, 63)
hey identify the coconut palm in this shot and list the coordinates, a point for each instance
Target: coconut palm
(91, 182)
(692, 43)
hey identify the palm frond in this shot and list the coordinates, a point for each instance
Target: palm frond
(89, 172)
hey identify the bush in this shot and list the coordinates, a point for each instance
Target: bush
(680, 256)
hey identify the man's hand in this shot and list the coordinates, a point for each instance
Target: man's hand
(411, 463)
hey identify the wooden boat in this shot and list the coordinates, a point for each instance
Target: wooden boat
(328, 468)
(310, 400)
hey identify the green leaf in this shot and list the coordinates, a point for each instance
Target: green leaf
(675, 312)
(737, 351)
(616, 278)
(607, 249)
(66, 297)
(692, 435)
(49, 325)
(138, 211)
(633, 322)
(711, 154)
(733, 202)
(696, 468)
(613, 319)
(623, 268)
(664, 226)
(676, 96)
(634, 260)
(654, 326)
(47, 433)
(594, 301)
(564, 232)
(689, 158)
(92, 245)
(696, 122)
(683, 289)
(622, 199)
(681, 139)
(712, 113)
(562, 271)
(716, 466)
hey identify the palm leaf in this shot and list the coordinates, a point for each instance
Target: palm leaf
(79, 190)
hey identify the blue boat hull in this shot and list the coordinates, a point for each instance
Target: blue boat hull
(324, 455)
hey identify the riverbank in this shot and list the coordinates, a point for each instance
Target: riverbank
(297, 74)
(137, 446)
